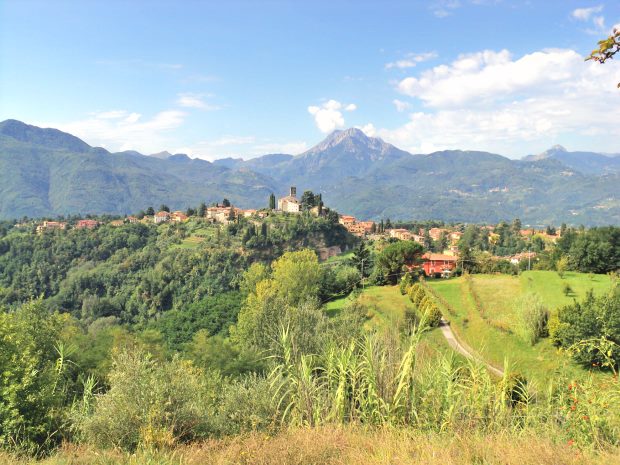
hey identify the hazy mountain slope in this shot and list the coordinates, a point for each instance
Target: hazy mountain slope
(37, 179)
(585, 162)
(47, 172)
(340, 155)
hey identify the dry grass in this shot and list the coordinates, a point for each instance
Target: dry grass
(350, 445)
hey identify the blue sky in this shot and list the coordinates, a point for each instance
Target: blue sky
(242, 78)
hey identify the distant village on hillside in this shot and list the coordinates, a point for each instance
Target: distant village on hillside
(442, 263)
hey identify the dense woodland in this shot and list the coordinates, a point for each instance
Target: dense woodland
(153, 335)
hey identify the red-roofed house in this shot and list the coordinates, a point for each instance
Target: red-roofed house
(435, 263)
(86, 224)
(179, 217)
(161, 217)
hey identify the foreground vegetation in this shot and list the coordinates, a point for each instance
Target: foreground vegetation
(147, 340)
(348, 445)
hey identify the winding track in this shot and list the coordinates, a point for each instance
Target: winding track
(467, 352)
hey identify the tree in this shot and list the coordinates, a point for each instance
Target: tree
(272, 201)
(297, 275)
(607, 48)
(396, 256)
(285, 298)
(150, 211)
(309, 200)
(164, 208)
(361, 259)
(226, 203)
(202, 209)
(593, 319)
(561, 266)
(427, 241)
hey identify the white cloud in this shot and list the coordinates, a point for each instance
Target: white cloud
(443, 8)
(584, 14)
(480, 77)
(590, 15)
(328, 116)
(119, 130)
(240, 146)
(400, 105)
(492, 101)
(368, 129)
(189, 100)
(411, 60)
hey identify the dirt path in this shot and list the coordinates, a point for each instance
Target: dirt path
(467, 352)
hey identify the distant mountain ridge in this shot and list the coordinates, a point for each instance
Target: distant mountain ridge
(585, 162)
(45, 172)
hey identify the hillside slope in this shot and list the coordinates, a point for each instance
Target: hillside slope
(46, 172)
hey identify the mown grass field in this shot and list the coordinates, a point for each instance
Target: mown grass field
(498, 294)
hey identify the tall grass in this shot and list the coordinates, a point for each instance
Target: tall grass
(378, 380)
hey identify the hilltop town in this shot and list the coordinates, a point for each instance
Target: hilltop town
(442, 244)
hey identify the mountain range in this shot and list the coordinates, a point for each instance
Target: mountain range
(46, 172)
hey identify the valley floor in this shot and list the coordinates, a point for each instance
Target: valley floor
(350, 445)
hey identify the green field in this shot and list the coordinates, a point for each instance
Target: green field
(498, 294)
(386, 308)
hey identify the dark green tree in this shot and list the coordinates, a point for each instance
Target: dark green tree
(272, 201)
(202, 209)
(361, 259)
(397, 256)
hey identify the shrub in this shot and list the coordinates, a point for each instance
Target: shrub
(405, 283)
(432, 314)
(244, 405)
(31, 382)
(150, 403)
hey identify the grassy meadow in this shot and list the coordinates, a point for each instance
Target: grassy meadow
(494, 337)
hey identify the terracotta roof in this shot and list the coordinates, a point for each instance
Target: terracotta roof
(439, 257)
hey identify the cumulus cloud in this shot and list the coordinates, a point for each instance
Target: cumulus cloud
(479, 77)
(118, 130)
(328, 116)
(368, 129)
(494, 101)
(400, 105)
(411, 60)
